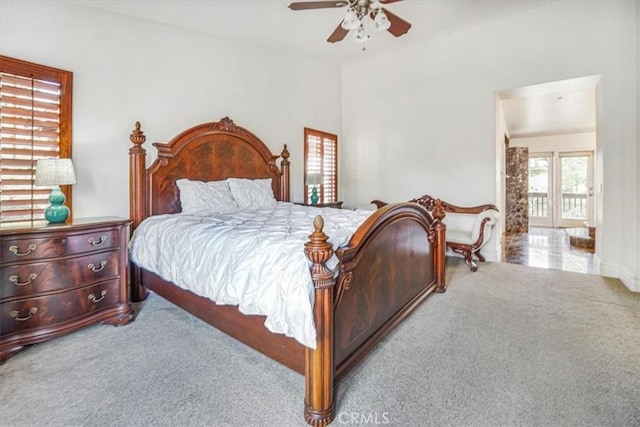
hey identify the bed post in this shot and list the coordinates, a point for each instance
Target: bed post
(440, 246)
(319, 367)
(137, 200)
(284, 180)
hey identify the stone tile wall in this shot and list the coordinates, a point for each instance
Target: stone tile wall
(517, 190)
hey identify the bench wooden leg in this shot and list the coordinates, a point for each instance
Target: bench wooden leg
(466, 252)
(468, 258)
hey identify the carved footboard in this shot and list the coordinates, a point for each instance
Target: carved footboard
(392, 263)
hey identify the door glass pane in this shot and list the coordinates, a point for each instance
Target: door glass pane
(574, 186)
(539, 187)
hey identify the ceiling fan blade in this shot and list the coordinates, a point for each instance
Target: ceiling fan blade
(338, 34)
(305, 5)
(398, 25)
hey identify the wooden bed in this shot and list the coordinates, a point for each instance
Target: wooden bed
(392, 263)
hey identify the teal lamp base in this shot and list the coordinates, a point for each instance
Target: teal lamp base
(314, 196)
(56, 212)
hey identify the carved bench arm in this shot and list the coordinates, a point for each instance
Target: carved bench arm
(435, 206)
(379, 203)
(428, 202)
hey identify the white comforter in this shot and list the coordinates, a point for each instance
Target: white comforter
(250, 258)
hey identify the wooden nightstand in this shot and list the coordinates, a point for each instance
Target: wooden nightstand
(55, 279)
(337, 205)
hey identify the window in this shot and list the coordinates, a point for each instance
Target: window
(35, 123)
(321, 156)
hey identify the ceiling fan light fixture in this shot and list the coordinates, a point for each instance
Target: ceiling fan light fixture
(381, 22)
(351, 21)
(358, 17)
(360, 35)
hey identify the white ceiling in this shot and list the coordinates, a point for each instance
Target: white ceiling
(270, 23)
(562, 107)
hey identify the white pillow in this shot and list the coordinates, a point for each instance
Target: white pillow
(252, 193)
(212, 196)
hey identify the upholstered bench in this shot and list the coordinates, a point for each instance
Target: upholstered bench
(468, 228)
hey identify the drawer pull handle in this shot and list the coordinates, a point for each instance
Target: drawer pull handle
(16, 314)
(95, 269)
(14, 279)
(98, 242)
(93, 298)
(14, 250)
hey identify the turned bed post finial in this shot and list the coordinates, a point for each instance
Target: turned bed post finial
(441, 245)
(284, 181)
(319, 369)
(137, 199)
(137, 164)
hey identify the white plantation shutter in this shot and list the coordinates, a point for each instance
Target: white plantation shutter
(321, 156)
(35, 123)
(329, 170)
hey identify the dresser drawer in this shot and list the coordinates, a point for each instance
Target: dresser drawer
(25, 249)
(45, 311)
(21, 280)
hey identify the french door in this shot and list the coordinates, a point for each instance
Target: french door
(560, 189)
(576, 189)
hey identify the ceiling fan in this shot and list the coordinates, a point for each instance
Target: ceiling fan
(357, 11)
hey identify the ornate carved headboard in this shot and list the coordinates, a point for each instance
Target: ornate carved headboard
(206, 152)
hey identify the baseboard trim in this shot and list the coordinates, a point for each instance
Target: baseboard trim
(617, 271)
(604, 269)
(495, 256)
(626, 277)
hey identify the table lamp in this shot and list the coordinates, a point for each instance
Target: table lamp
(55, 172)
(314, 179)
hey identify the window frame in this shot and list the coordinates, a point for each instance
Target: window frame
(18, 67)
(309, 132)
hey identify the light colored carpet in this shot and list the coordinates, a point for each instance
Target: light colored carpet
(505, 346)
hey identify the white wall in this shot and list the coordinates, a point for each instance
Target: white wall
(635, 278)
(630, 218)
(126, 69)
(425, 113)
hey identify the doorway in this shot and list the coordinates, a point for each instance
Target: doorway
(556, 123)
(560, 189)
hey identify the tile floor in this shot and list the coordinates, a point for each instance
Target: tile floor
(547, 248)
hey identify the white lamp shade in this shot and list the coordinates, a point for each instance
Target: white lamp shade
(55, 172)
(314, 179)
(351, 21)
(381, 22)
